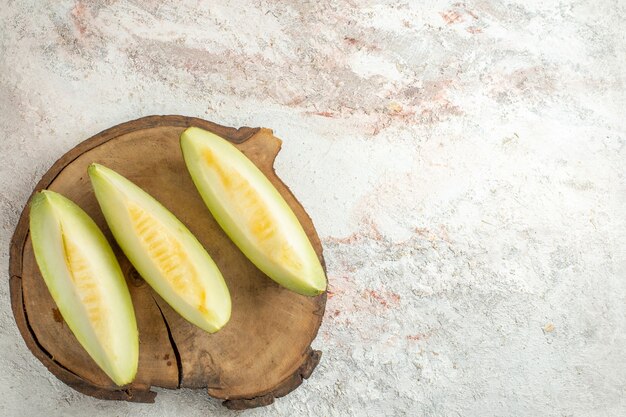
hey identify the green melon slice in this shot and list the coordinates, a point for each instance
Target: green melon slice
(86, 282)
(163, 250)
(252, 212)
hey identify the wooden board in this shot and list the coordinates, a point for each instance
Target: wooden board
(262, 353)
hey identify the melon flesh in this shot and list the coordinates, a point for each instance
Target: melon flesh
(252, 212)
(86, 282)
(163, 250)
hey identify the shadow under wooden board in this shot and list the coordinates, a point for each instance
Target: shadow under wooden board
(262, 353)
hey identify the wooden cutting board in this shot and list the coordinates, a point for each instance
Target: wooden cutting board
(262, 353)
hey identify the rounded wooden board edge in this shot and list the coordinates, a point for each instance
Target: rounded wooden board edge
(18, 241)
(294, 381)
(58, 370)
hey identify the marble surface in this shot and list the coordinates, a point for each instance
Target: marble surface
(462, 161)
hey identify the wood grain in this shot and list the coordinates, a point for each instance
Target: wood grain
(262, 353)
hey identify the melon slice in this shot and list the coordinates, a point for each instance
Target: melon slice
(163, 250)
(86, 282)
(252, 212)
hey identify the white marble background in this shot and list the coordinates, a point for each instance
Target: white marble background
(463, 162)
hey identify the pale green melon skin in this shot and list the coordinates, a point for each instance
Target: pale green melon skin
(310, 280)
(51, 216)
(113, 192)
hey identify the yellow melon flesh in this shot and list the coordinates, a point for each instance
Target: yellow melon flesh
(89, 292)
(168, 255)
(259, 221)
